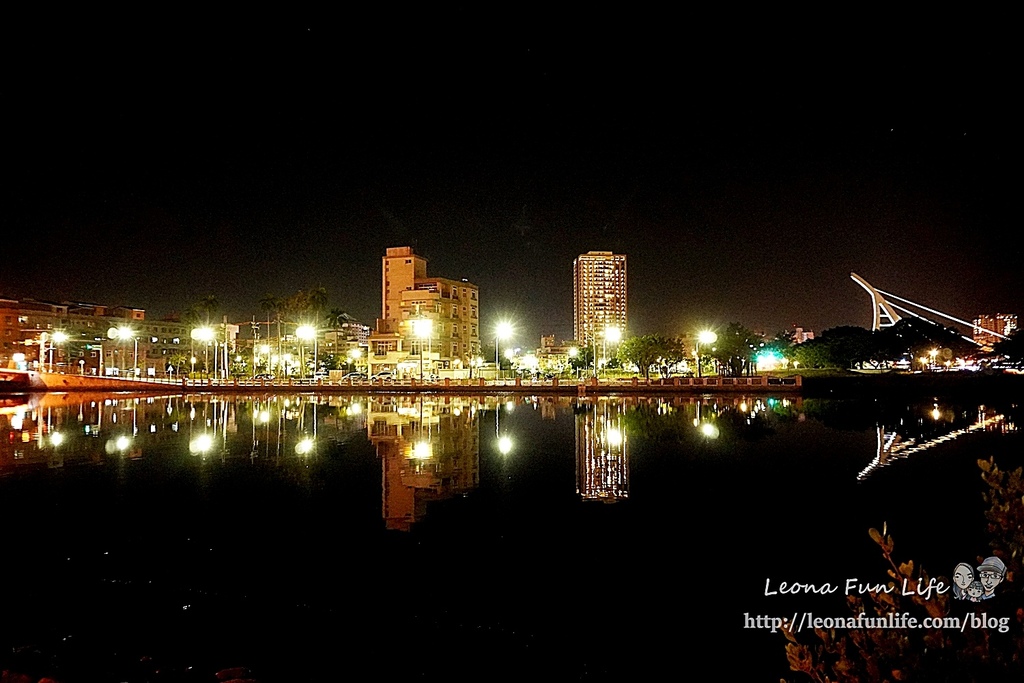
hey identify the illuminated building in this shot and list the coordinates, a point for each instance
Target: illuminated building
(1000, 323)
(28, 326)
(599, 294)
(433, 321)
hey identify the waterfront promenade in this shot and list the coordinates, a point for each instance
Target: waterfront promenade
(13, 381)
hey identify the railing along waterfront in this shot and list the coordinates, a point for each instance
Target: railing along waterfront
(559, 385)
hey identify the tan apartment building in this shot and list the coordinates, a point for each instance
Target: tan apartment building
(1001, 323)
(599, 294)
(426, 322)
(74, 337)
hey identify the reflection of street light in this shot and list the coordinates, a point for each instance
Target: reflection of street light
(502, 332)
(422, 328)
(705, 337)
(504, 445)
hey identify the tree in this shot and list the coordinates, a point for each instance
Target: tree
(650, 350)
(735, 350)
(1012, 347)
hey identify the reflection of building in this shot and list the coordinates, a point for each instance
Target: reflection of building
(1001, 323)
(599, 293)
(429, 450)
(28, 326)
(602, 460)
(400, 342)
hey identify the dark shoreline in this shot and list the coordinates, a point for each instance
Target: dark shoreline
(938, 384)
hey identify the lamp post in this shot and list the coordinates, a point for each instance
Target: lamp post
(353, 357)
(121, 333)
(58, 338)
(422, 328)
(305, 333)
(502, 332)
(705, 337)
(205, 335)
(611, 334)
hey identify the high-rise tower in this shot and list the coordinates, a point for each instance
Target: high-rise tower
(599, 294)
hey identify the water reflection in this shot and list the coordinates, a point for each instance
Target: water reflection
(931, 427)
(602, 456)
(429, 450)
(65, 429)
(428, 447)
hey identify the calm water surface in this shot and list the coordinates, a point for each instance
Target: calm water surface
(472, 538)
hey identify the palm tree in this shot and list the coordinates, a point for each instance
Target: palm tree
(272, 304)
(335, 318)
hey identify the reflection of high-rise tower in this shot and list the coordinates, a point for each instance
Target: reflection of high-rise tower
(429, 450)
(602, 460)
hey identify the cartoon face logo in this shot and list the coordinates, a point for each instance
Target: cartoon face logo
(991, 573)
(975, 591)
(963, 575)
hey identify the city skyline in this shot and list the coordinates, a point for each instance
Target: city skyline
(240, 167)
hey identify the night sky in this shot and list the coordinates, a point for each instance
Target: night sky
(743, 178)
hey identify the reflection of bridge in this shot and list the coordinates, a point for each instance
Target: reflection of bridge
(891, 446)
(884, 310)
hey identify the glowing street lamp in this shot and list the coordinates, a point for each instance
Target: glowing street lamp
(422, 329)
(122, 333)
(611, 334)
(502, 332)
(706, 337)
(933, 353)
(58, 337)
(305, 333)
(205, 335)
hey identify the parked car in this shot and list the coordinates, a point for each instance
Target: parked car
(383, 374)
(264, 375)
(321, 374)
(354, 376)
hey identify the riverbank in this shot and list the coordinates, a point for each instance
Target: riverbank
(815, 384)
(936, 384)
(55, 382)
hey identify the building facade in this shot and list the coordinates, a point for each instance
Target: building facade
(76, 337)
(428, 324)
(1000, 323)
(599, 294)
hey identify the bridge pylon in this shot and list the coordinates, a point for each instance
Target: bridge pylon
(883, 314)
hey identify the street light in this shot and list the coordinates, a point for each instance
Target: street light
(933, 353)
(705, 337)
(57, 338)
(422, 328)
(503, 331)
(611, 334)
(353, 357)
(306, 332)
(205, 335)
(121, 333)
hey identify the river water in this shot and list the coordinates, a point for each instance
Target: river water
(309, 537)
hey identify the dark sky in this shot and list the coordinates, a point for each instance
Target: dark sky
(743, 178)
